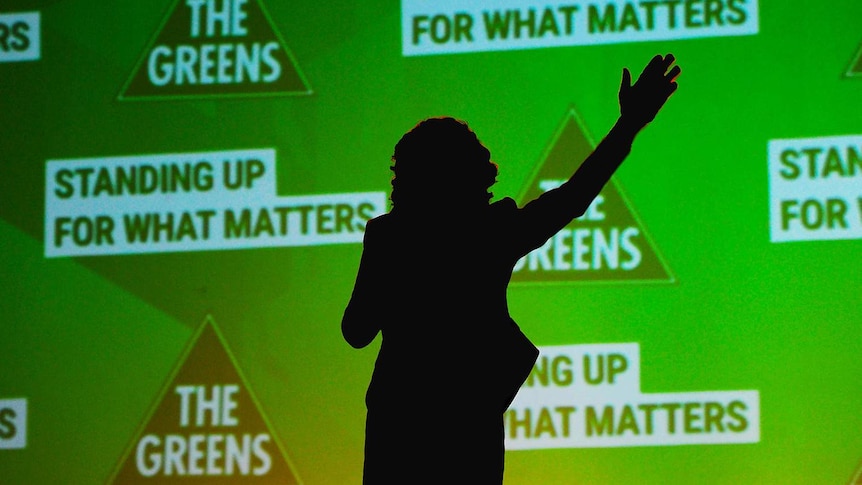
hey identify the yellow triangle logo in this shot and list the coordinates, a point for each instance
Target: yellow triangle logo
(206, 424)
(607, 244)
(215, 48)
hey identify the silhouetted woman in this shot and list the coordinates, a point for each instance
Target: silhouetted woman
(432, 279)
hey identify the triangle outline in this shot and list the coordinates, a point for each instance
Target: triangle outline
(671, 277)
(121, 96)
(857, 475)
(178, 366)
(854, 69)
(549, 147)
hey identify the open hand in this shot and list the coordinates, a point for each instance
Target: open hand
(639, 103)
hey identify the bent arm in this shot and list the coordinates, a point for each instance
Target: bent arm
(356, 326)
(363, 316)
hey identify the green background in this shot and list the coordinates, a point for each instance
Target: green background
(90, 341)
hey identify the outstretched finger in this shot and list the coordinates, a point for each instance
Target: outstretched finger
(673, 73)
(627, 79)
(668, 60)
(654, 64)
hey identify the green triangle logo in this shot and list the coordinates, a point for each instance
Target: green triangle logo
(855, 68)
(607, 244)
(215, 48)
(206, 425)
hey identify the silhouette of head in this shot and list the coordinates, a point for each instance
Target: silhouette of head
(441, 162)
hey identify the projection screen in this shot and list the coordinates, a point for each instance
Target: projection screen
(186, 184)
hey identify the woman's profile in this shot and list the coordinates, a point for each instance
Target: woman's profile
(433, 278)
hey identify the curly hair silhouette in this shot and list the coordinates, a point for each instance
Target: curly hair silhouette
(439, 153)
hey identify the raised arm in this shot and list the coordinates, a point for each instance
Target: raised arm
(639, 104)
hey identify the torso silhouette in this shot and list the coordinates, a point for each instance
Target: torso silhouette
(451, 359)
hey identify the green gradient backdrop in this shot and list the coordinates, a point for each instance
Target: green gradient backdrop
(90, 341)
